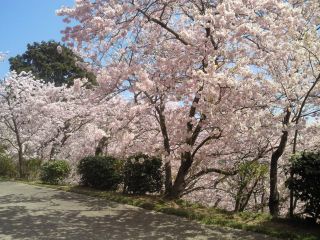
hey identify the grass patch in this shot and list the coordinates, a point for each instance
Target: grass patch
(255, 222)
(3, 179)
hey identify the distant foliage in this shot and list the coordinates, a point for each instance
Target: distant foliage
(33, 168)
(55, 171)
(143, 174)
(51, 62)
(101, 172)
(7, 165)
(305, 182)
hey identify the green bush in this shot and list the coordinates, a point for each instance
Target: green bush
(101, 172)
(305, 169)
(143, 174)
(250, 178)
(55, 171)
(7, 165)
(33, 168)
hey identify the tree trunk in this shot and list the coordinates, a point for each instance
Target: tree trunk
(166, 145)
(101, 146)
(274, 193)
(298, 117)
(246, 199)
(294, 149)
(168, 177)
(52, 151)
(180, 183)
(20, 148)
(237, 204)
(20, 159)
(239, 196)
(263, 203)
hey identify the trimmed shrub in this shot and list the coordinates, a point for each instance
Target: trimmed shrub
(305, 168)
(100, 172)
(7, 165)
(55, 171)
(143, 174)
(33, 168)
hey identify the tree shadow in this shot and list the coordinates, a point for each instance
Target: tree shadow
(40, 213)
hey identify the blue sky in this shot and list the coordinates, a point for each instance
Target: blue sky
(28, 21)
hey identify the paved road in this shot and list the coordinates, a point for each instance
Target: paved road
(32, 212)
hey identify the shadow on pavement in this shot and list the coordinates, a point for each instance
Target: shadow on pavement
(39, 213)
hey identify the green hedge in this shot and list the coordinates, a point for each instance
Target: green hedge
(143, 174)
(55, 171)
(100, 172)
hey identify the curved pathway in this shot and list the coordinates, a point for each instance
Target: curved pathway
(32, 212)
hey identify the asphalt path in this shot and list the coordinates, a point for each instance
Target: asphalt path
(32, 212)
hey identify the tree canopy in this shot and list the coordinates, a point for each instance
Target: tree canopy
(51, 62)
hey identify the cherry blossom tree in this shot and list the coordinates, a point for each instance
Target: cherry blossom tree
(294, 69)
(20, 97)
(37, 118)
(186, 64)
(209, 86)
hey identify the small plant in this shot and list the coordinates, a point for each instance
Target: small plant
(55, 171)
(143, 174)
(305, 170)
(7, 165)
(101, 172)
(248, 181)
(33, 168)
